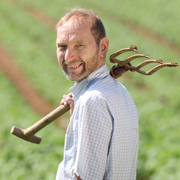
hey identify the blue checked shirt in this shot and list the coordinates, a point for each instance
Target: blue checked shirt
(102, 137)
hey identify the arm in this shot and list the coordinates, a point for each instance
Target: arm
(94, 135)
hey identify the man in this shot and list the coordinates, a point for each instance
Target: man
(102, 137)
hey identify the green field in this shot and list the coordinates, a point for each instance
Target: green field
(31, 42)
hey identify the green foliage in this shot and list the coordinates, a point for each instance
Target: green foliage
(157, 98)
(20, 159)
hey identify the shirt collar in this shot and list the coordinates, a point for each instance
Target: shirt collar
(80, 87)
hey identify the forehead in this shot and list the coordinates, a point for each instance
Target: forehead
(75, 29)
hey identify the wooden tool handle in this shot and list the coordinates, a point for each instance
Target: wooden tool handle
(29, 133)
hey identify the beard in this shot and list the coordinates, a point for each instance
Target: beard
(88, 67)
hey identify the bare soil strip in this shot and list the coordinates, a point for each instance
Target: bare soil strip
(15, 74)
(152, 36)
(36, 14)
(142, 31)
(43, 18)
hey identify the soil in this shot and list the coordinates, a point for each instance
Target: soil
(10, 68)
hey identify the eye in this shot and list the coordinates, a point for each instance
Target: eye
(62, 47)
(79, 46)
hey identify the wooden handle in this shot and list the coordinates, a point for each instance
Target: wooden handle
(117, 71)
(53, 115)
(29, 133)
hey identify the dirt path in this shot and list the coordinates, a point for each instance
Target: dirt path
(152, 36)
(36, 14)
(10, 68)
(142, 31)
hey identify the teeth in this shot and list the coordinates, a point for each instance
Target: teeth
(74, 66)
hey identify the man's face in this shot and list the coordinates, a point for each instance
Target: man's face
(77, 51)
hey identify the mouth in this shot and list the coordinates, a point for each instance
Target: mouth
(74, 67)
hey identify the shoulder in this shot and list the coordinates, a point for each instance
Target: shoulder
(102, 90)
(109, 90)
(106, 87)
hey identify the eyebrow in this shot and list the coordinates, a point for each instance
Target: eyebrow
(80, 41)
(60, 42)
(75, 42)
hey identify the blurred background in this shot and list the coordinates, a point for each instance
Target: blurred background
(32, 84)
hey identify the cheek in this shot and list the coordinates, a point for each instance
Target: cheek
(87, 54)
(60, 57)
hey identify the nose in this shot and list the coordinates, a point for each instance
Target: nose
(69, 55)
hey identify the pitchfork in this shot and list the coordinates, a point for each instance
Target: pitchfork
(123, 66)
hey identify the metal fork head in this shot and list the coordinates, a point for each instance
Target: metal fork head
(125, 65)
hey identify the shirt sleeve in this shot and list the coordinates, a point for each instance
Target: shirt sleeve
(94, 134)
(60, 173)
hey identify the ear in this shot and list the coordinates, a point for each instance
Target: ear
(104, 44)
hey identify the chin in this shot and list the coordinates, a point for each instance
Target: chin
(76, 78)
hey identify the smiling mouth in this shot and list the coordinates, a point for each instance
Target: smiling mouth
(74, 67)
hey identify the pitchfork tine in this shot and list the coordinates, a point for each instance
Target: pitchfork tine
(128, 60)
(121, 51)
(153, 70)
(148, 62)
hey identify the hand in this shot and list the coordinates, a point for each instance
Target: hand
(68, 99)
(76, 177)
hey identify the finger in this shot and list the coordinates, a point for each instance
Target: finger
(70, 102)
(70, 95)
(62, 102)
(67, 98)
(65, 103)
(64, 96)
